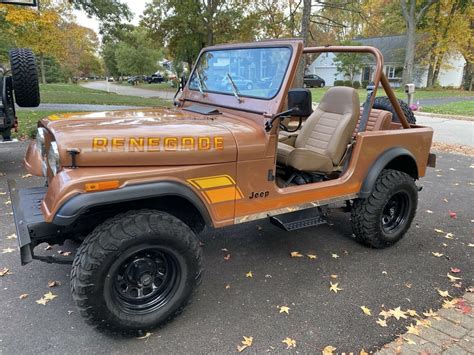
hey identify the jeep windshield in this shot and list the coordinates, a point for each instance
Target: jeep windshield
(244, 72)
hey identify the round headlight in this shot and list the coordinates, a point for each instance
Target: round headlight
(40, 134)
(53, 158)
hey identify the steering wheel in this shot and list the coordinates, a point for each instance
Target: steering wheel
(287, 129)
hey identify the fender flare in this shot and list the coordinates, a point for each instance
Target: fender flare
(382, 161)
(72, 209)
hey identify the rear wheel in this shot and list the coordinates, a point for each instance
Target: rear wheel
(136, 271)
(383, 103)
(321, 85)
(384, 217)
(25, 77)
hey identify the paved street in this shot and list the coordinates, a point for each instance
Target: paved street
(448, 130)
(407, 275)
(128, 90)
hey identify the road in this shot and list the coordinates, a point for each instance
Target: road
(448, 130)
(128, 90)
(405, 275)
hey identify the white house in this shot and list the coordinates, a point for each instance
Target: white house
(393, 50)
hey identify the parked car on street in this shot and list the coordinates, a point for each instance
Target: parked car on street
(154, 78)
(313, 81)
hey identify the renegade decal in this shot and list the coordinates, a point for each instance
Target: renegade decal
(215, 189)
(156, 144)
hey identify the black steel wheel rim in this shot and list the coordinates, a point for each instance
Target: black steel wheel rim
(395, 212)
(145, 280)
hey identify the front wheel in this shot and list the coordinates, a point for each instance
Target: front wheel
(384, 217)
(136, 271)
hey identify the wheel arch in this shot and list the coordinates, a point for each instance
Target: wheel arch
(395, 158)
(168, 196)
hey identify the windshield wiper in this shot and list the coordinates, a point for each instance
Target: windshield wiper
(200, 83)
(234, 87)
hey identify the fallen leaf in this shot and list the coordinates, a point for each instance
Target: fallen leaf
(227, 286)
(227, 257)
(11, 236)
(453, 214)
(381, 322)
(412, 329)
(463, 306)
(448, 304)
(48, 247)
(470, 245)
(438, 255)
(444, 293)
(412, 313)
(312, 256)
(445, 200)
(432, 314)
(285, 309)
(42, 301)
(424, 322)
(409, 341)
(384, 272)
(398, 313)
(385, 314)
(453, 278)
(455, 270)
(429, 211)
(334, 287)
(8, 202)
(49, 296)
(8, 250)
(439, 231)
(452, 169)
(224, 249)
(335, 256)
(407, 285)
(329, 350)
(290, 343)
(26, 176)
(146, 336)
(333, 276)
(366, 310)
(23, 296)
(249, 274)
(296, 254)
(363, 352)
(52, 283)
(2, 193)
(4, 271)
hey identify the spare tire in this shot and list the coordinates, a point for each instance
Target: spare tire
(383, 103)
(25, 77)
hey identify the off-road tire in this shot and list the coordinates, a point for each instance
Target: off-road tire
(25, 77)
(383, 103)
(367, 214)
(93, 269)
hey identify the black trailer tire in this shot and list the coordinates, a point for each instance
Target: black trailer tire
(385, 216)
(25, 77)
(383, 103)
(136, 271)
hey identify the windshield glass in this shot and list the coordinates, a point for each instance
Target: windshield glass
(253, 72)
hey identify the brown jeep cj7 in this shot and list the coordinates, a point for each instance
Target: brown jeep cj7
(137, 186)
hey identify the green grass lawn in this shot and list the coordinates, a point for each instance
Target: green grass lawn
(157, 87)
(75, 94)
(462, 108)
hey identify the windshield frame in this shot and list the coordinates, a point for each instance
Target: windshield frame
(188, 84)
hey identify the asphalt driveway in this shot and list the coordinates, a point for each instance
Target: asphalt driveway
(230, 305)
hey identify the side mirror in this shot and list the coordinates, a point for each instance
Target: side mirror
(299, 102)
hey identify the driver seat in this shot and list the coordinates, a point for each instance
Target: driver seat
(323, 139)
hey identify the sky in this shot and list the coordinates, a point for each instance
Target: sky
(137, 7)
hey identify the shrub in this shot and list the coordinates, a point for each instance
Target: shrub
(348, 83)
(338, 82)
(356, 84)
(365, 83)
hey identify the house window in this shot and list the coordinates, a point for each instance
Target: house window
(390, 72)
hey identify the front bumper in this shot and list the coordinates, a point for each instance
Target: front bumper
(30, 225)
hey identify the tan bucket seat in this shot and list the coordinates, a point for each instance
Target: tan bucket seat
(322, 141)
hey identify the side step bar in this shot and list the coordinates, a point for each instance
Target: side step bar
(299, 219)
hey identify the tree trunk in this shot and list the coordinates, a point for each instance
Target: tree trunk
(43, 75)
(305, 22)
(409, 63)
(432, 58)
(467, 78)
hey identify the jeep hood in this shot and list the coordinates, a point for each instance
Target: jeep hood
(143, 137)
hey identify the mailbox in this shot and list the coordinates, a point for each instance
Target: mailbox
(410, 88)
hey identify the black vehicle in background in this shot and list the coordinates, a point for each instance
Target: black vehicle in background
(313, 81)
(155, 78)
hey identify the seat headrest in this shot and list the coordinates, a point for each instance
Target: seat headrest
(340, 100)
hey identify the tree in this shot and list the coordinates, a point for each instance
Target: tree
(109, 12)
(412, 19)
(137, 55)
(349, 64)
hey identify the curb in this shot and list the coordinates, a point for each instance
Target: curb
(440, 115)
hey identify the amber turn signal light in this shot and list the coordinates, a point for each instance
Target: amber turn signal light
(102, 185)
